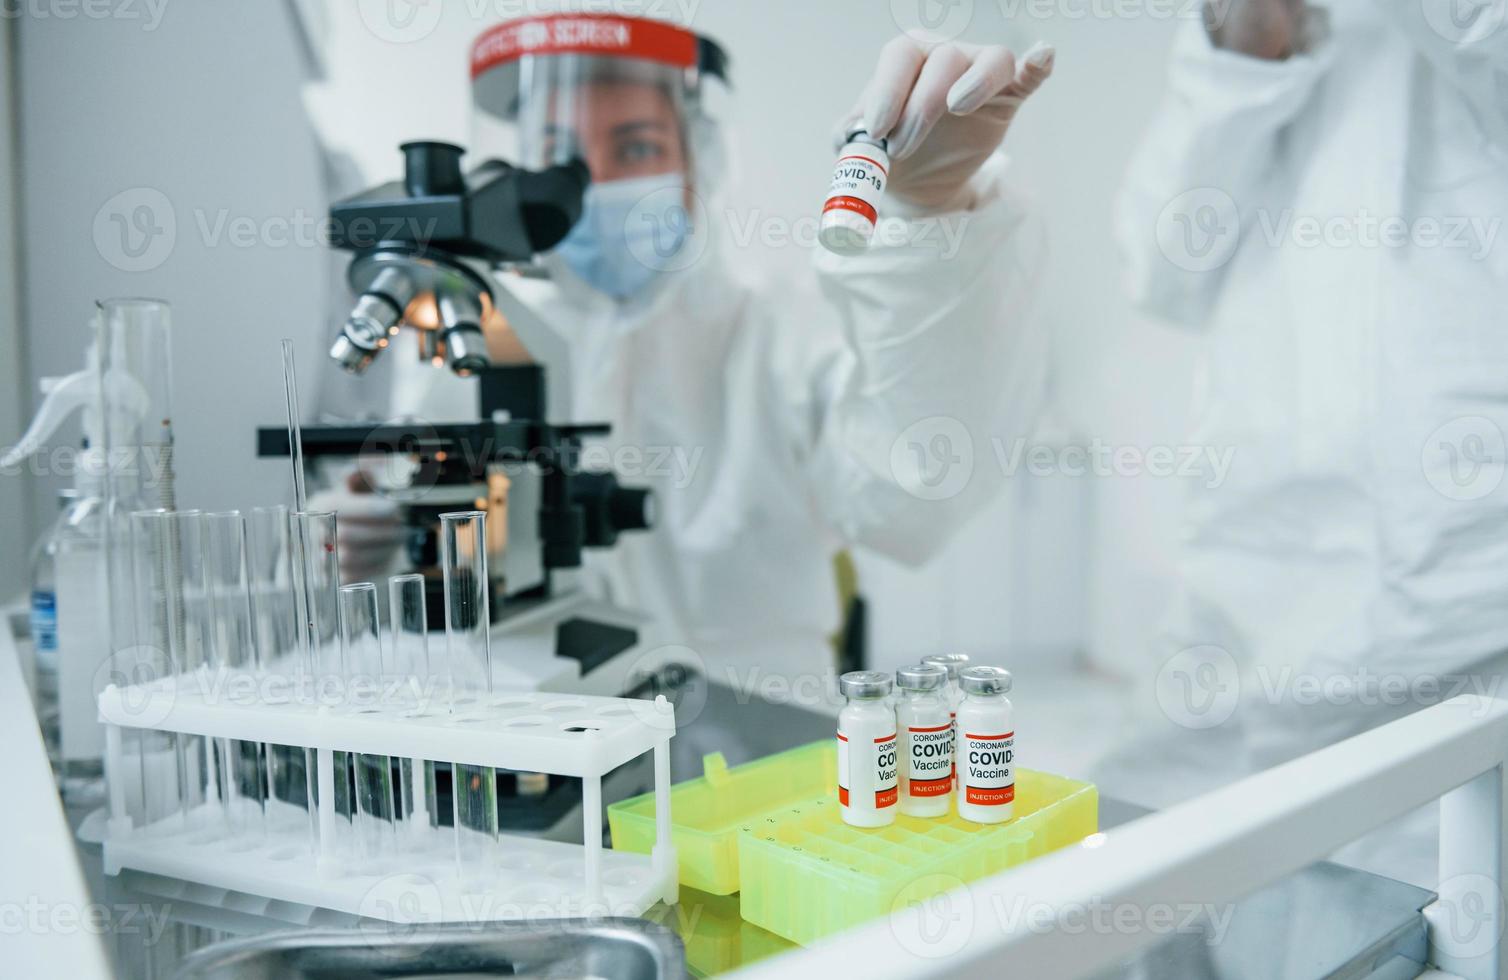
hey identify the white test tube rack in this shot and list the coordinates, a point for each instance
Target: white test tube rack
(569, 735)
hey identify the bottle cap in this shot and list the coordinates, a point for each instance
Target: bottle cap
(951, 662)
(861, 135)
(985, 680)
(864, 684)
(921, 677)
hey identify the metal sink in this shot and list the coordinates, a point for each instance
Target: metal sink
(622, 949)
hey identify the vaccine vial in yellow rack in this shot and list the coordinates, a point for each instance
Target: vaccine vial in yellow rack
(867, 771)
(925, 728)
(986, 746)
(952, 663)
(852, 207)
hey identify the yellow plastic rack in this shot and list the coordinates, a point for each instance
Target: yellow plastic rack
(771, 830)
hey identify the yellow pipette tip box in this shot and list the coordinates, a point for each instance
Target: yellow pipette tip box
(706, 813)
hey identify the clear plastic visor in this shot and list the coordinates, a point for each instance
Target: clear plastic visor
(626, 118)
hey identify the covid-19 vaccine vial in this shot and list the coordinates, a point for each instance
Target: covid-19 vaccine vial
(852, 207)
(925, 728)
(952, 663)
(867, 770)
(986, 746)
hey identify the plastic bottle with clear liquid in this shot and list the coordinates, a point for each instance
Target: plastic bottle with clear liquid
(77, 551)
(122, 395)
(44, 628)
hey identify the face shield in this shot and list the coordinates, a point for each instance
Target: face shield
(626, 96)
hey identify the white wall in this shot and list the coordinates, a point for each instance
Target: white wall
(206, 109)
(197, 118)
(15, 527)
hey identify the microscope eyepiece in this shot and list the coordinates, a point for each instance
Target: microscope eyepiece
(432, 168)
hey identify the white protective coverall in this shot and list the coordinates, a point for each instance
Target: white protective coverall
(1333, 220)
(778, 422)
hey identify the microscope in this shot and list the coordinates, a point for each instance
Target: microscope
(424, 250)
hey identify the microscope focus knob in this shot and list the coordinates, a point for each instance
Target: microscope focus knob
(562, 534)
(632, 508)
(609, 508)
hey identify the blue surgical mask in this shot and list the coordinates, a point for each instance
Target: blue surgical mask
(630, 231)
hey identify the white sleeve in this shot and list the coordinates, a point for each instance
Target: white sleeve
(1468, 44)
(940, 355)
(1192, 185)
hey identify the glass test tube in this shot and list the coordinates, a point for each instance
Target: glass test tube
(409, 625)
(196, 752)
(362, 643)
(269, 563)
(132, 345)
(269, 557)
(316, 580)
(233, 654)
(156, 785)
(463, 559)
(316, 584)
(295, 433)
(134, 440)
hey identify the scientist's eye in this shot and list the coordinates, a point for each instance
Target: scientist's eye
(635, 153)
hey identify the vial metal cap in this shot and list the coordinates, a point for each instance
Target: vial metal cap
(951, 662)
(861, 135)
(864, 684)
(985, 680)
(921, 677)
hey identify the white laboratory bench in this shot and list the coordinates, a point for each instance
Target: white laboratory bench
(46, 908)
(1254, 849)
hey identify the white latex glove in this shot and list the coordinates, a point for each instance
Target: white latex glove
(944, 110)
(368, 531)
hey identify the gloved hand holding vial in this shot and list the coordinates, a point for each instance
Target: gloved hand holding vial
(926, 123)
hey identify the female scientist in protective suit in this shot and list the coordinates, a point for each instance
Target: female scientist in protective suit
(776, 424)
